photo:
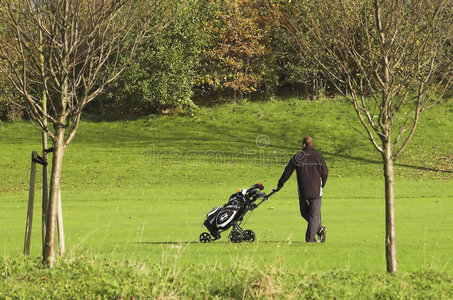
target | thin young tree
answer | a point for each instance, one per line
(67, 52)
(389, 59)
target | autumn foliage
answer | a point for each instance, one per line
(242, 42)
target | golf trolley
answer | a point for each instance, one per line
(232, 214)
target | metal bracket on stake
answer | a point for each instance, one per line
(38, 159)
(50, 150)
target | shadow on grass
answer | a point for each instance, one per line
(294, 147)
(218, 242)
(237, 141)
(377, 162)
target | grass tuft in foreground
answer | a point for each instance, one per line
(87, 277)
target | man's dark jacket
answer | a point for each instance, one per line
(311, 172)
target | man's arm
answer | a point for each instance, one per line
(286, 174)
(324, 171)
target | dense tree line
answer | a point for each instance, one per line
(211, 50)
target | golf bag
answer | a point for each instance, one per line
(231, 214)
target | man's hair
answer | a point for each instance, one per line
(308, 141)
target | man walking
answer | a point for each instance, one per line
(312, 174)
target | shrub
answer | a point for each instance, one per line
(164, 71)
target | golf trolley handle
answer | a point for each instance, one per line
(271, 193)
(266, 197)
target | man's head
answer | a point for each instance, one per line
(308, 141)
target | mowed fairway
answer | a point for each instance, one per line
(140, 189)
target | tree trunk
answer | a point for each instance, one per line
(390, 236)
(45, 189)
(61, 243)
(57, 162)
(45, 192)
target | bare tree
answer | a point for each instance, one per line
(388, 58)
(67, 52)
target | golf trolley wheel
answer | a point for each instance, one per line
(249, 235)
(205, 237)
(235, 237)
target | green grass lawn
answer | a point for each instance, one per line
(139, 190)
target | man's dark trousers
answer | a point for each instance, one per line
(310, 209)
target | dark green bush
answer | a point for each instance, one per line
(165, 69)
